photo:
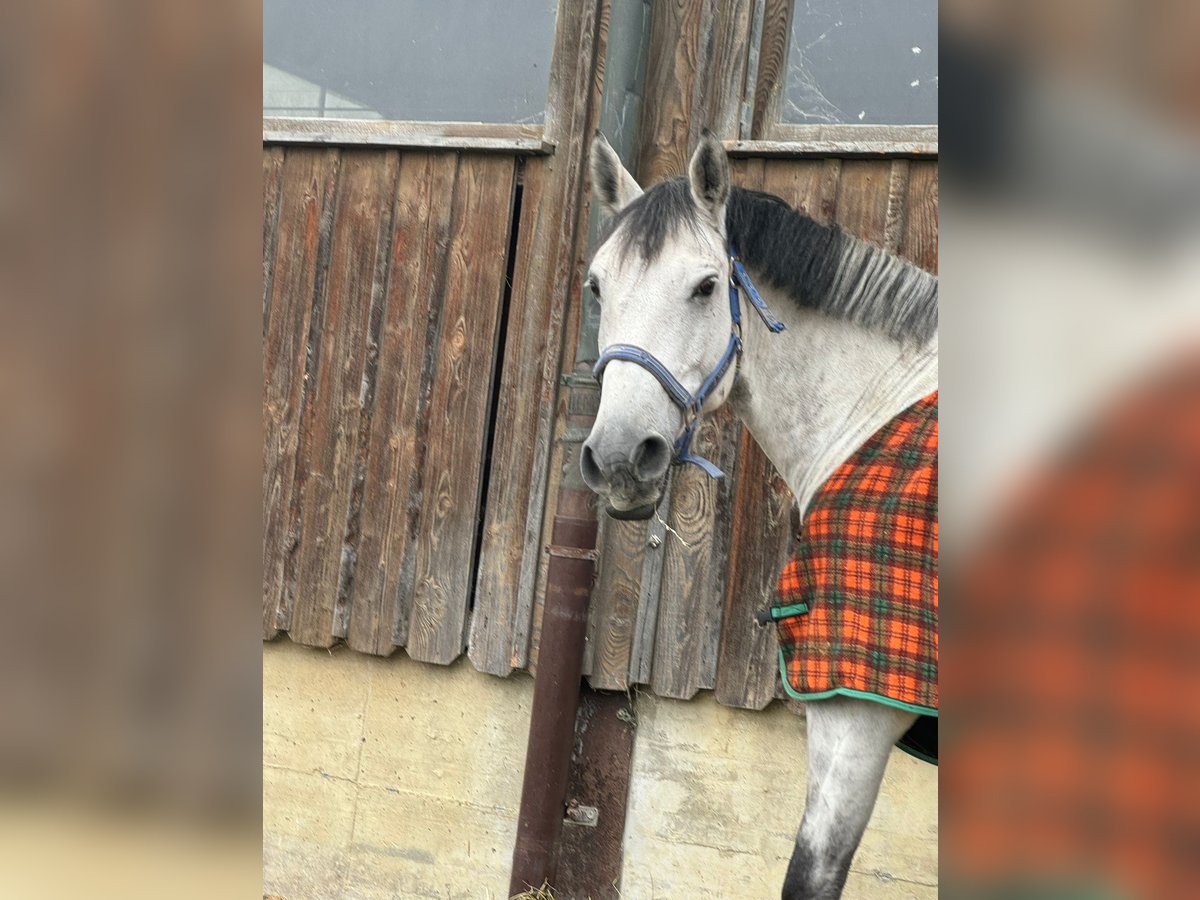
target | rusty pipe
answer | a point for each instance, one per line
(569, 580)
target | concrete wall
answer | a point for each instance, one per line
(389, 778)
(386, 778)
(717, 795)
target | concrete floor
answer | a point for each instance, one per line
(385, 778)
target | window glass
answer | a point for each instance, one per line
(409, 60)
(869, 62)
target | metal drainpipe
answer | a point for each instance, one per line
(556, 689)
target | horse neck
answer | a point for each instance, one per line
(812, 394)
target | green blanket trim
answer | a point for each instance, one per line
(782, 612)
(850, 692)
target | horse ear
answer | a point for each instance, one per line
(708, 176)
(612, 184)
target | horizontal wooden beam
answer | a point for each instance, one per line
(526, 140)
(843, 148)
(841, 140)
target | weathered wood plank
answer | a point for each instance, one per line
(475, 136)
(645, 626)
(696, 71)
(563, 459)
(802, 183)
(852, 142)
(760, 543)
(615, 602)
(382, 584)
(772, 66)
(389, 166)
(724, 51)
(831, 181)
(897, 200)
(728, 438)
(920, 238)
(335, 390)
(556, 274)
(863, 198)
(670, 80)
(524, 425)
(458, 407)
(307, 196)
(695, 550)
(272, 183)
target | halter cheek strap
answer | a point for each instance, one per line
(691, 404)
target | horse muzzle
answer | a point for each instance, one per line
(633, 485)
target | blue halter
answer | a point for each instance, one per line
(688, 403)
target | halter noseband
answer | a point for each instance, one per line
(690, 404)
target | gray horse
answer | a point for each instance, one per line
(850, 341)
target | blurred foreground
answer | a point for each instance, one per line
(130, 222)
(1070, 486)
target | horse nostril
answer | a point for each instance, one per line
(651, 459)
(592, 476)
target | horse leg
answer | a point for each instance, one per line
(848, 746)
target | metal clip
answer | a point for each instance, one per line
(582, 815)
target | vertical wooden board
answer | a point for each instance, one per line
(772, 65)
(760, 543)
(920, 237)
(458, 407)
(831, 180)
(645, 624)
(524, 428)
(897, 203)
(671, 73)
(804, 183)
(863, 198)
(557, 260)
(563, 458)
(382, 582)
(747, 173)
(335, 386)
(696, 73)
(695, 549)
(615, 602)
(272, 183)
(352, 541)
(724, 50)
(306, 202)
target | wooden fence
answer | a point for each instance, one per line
(414, 322)
(420, 306)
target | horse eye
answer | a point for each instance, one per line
(595, 286)
(706, 287)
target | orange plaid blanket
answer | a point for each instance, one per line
(857, 605)
(1077, 664)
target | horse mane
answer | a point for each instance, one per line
(820, 267)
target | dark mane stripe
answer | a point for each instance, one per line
(820, 266)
